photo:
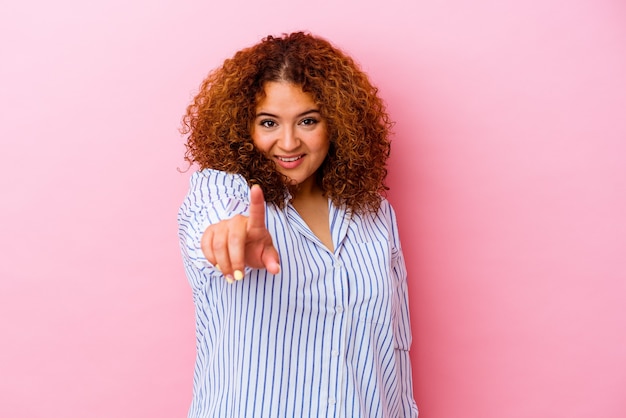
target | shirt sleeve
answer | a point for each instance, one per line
(402, 321)
(213, 196)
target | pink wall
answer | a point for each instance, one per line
(507, 174)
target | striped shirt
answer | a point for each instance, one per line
(326, 337)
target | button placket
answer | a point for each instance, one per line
(335, 392)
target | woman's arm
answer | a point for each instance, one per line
(217, 202)
(402, 323)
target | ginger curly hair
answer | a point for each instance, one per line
(218, 122)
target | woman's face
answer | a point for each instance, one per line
(288, 129)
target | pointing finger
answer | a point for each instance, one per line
(257, 208)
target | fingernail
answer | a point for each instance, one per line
(238, 275)
(229, 279)
(217, 266)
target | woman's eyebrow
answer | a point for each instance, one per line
(271, 115)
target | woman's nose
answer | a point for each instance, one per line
(289, 139)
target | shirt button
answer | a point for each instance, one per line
(332, 401)
(339, 309)
(335, 353)
(338, 265)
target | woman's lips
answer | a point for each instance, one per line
(289, 162)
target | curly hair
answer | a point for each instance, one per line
(218, 122)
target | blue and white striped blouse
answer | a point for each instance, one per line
(326, 337)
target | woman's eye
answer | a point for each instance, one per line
(309, 121)
(268, 123)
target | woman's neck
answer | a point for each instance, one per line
(312, 205)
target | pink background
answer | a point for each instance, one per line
(508, 175)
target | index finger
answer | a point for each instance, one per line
(257, 208)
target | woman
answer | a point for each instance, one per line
(291, 250)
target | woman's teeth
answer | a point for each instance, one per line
(289, 160)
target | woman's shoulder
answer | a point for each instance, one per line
(212, 179)
(386, 214)
(383, 213)
(216, 184)
(216, 176)
(385, 209)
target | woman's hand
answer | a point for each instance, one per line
(241, 241)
